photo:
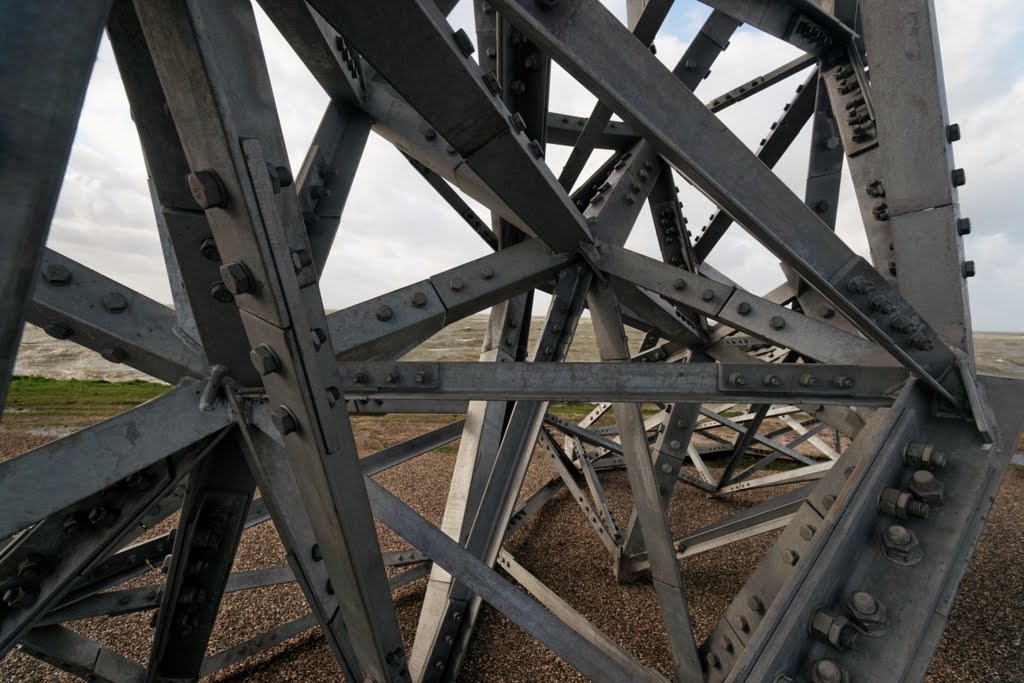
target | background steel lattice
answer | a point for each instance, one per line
(858, 374)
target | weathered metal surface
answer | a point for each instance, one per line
(266, 380)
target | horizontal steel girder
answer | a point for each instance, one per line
(655, 382)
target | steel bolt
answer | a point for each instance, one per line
(518, 124)
(280, 176)
(333, 395)
(927, 488)
(57, 274)
(33, 567)
(959, 177)
(487, 272)
(456, 284)
(808, 380)
(790, 556)
(358, 377)
(828, 502)
(422, 376)
(220, 292)
(827, 671)
(963, 226)
(679, 285)
(860, 285)
(923, 456)
(736, 379)
(724, 643)
(707, 295)
(834, 630)
(384, 313)
(807, 532)
(827, 313)
(72, 524)
(115, 302)
(832, 142)
(771, 381)
(238, 278)
(864, 603)
(843, 382)
(901, 504)
(113, 354)
(953, 132)
(207, 189)
(20, 596)
(777, 322)
(743, 308)
(301, 258)
(868, 615)
(419, 299)
(882, 305)
(463, 42)
(755, 604)
(284, 419)
(208, 248)
(315, 553)
(714, 661)
(264, 359)
(57, 330)
(921, 342)
(536, 149)
(319, 337)
(491, 81)
(100, 516)
(968, 269)
(902, 324)
(740, 623)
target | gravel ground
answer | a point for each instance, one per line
(982, 642)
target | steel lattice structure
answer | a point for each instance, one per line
(879, 352)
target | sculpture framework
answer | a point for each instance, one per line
(858, 583)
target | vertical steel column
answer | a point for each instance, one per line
(668, 581)
(46, 70)
(214, 76)
(918, 176)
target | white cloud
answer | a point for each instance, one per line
(396, 230)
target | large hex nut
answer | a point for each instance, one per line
(832, 629)
(264, 359)
(901, 546)
(56, 274)
(901, 504)
(867, 614)
(238, 278)
(207, 189)
(927, 488)
(923, 456)
(828, 671)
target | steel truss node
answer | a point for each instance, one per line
(858, 375)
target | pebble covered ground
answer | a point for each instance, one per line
(983, 640)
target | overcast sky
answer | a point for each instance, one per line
(396, 231)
